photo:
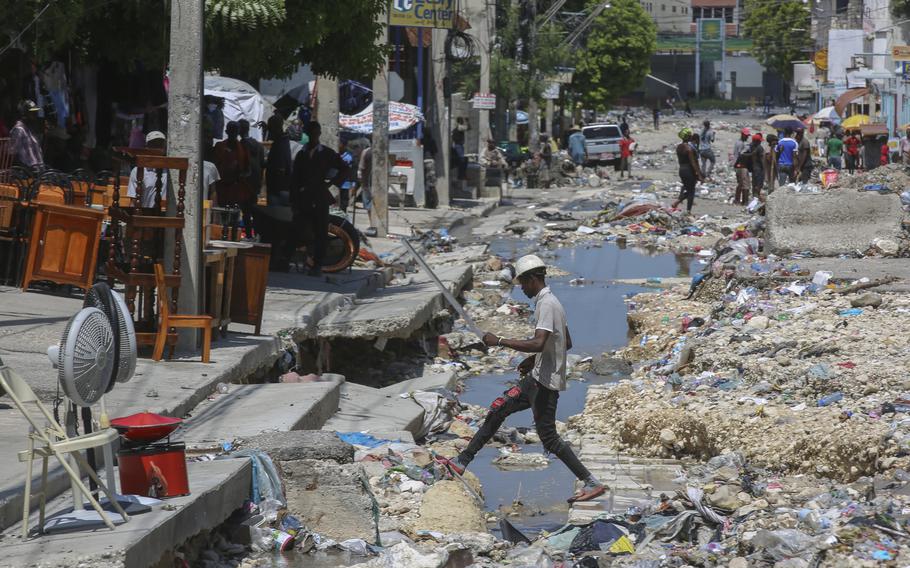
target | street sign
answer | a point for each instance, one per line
(710, 38)
(900, 53)
(484, 101)
(551, 92)
(423, 13)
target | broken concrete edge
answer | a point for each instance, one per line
(255, 360)
(302, 444)
(403, 327)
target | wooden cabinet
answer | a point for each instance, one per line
(251, 274)
(63, 245)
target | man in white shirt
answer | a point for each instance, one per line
(154, 139)
(543, 376)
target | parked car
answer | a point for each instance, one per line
(602, 144)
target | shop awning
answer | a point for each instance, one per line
(848, 97)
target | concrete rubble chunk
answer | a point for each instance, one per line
(867, 300)
(606, 366)
(448, 508)
(329, 498)
(302, 444)
(839, 221)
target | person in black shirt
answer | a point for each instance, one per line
(278, 166)
(310, 195)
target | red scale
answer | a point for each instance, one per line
(150, 464)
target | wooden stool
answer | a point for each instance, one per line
(168, 320)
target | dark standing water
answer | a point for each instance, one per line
(597, 320)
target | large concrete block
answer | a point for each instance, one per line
(302, 444)
(331, 499)
(839, 221)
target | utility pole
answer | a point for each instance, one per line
(533, 114)
(185, 139)
(327, 110)
(380, 151)
(443, 131)
(483, 126)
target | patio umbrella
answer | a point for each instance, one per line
(855, 121)
(827, 113)
(785, 121)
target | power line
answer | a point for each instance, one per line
(26, 28)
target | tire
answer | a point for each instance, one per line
(343, 246)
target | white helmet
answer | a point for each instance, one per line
(528, 263)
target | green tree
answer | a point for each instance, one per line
(616, 54)
(779, 33)
(244, 38)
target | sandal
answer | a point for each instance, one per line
(588, 492)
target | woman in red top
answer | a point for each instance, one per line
(852, 145)
(625, 155)
(886, 158)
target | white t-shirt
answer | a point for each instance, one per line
(150, 178)
(550, 364)
(210, 175)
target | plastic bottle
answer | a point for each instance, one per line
(222, 388)
(813, 521)
(830, 399)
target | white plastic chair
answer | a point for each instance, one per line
(50, 439)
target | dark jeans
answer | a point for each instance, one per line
(542, 401)
(687, 192)
(313, 210)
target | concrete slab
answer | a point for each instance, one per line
(218, 488)
(839, 221)
(302, 445)
(365, 409)
(394, 312)
(240, 413)
(428, 381)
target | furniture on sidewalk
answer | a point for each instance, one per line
(63, 245)
(47, 438)
(248, 285)
(220, 264)
(138, 236)
(168, 321)
(6, 160)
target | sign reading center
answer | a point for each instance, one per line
(900, 53)
(423, 13)
(485, 101)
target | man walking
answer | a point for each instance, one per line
(543, 376)
(758, 165)
(835, 151)
(577, 149)
(804, 157)
(25, 145)
(705, 140)
(625, 156)
(852, 144)
(786, 152)
(310, 196)
(742, 163)
(256, 152)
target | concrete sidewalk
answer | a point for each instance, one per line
(295, 306)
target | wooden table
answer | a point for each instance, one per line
(251, 274)
(219, 266)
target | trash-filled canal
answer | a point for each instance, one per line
(535, 500)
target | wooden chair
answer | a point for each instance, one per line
(168, 321)
(6, 160)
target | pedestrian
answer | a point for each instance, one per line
(458, 139)
(758, 165)
(886, 155)
(705, 149)
(233, 162)
(347, 182)
(804, 165)
(625, 156)
(310, 195)
(835, 151)
(742, 164)
(852, 155)
(689, 172)
(257, 157)
(25, 136)
(905, 148)
(624, 126)
(688, 109)
(278, 165)
(155, 140)
(786, 153)
(492, 158)
(655, 113)
(767, 105)
(577, 148)
(771, 168)
(542, 378)
(365, 186)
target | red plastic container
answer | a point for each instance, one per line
(145, 426)
(154, 470)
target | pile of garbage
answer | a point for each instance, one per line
(892, 177)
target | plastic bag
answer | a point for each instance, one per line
(784, 543)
